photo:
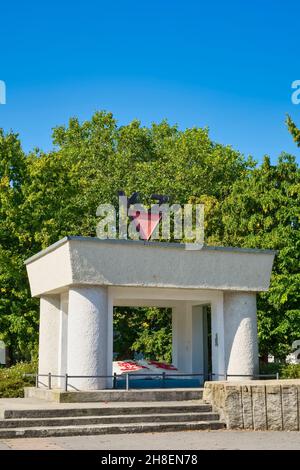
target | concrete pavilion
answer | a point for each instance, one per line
(80, 279)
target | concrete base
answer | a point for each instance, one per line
(59, 396)
(257, 404)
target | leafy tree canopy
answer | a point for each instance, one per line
(45, 196)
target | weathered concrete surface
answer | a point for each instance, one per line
(92, 430)
(27, 408)
(59, 396)
(88, 260)
(240, 325)
(212, 440)
(81, 279)
(68, 420)
(260, 405)
(87, 320)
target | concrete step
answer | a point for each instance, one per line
(61, 411)
(110, 419)
(109, 429)
(132, 395)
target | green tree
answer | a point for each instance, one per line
(143, 330)
(18, 318)
(263, 211)
(45, 196)
(293, 129)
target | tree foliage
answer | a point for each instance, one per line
(293, 129)
(45, 196)
(263, 211)
(146, 331)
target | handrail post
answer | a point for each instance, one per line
(49, 381)
(115, 381)
(277, 375)
(127, 381)
(225, 376)
(163, 379)
(66, 382)
(37, 380)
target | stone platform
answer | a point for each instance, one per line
(257, 404)
(59, 396)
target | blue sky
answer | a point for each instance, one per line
(227, 65)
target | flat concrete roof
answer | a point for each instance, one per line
(84, 261)
(157, 244)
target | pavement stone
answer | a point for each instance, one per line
(190, 440)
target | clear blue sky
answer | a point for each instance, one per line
(228, 65)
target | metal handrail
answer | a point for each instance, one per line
(275, 376)
(163, 375)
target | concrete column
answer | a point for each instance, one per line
(197, 340)
(48, 337)
(187, 338)
(63, 338)
(110, 340)
(217, 337)
(241, 346)
(181, 337)
(88, 337)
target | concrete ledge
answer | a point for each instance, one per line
(256, 404)
(59, 396)
(91, 261)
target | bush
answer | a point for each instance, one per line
(12, 380)
(290, 371)
(286, 371)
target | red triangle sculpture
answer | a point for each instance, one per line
(146, 223)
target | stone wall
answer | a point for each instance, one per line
(260, 405)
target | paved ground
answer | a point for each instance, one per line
(174, 441)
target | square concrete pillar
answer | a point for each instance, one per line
(187, 338)
(217, 337)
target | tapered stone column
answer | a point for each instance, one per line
(87, 337)
(241, 346)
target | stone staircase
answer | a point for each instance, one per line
(92, 419)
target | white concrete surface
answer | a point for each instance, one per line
(187, 338)
(217, 336)
(47, 273)
(63, 337)
(2, 353)
(87, 337)
(81, 279)
(241, 345)
(49, 336)
(86, 260)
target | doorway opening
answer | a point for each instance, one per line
(142, 333)
(158, 352)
